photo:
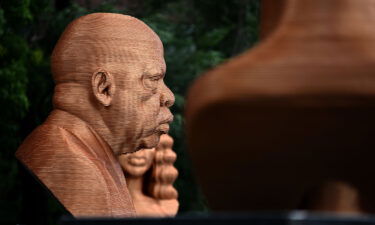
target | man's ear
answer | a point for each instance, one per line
(103, 86)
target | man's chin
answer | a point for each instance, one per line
(149, 142)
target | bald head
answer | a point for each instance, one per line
(100, 40)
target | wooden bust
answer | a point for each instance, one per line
(108, 70)
(295, 112)
(150, 174)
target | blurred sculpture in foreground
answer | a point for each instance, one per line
(150, 175)
(108, 70)
(333, 196)
(295, 112)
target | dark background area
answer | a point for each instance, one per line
(197, 35)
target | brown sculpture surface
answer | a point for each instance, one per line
(108, 71)
(295, 112)
(334, 196)
(150, 175)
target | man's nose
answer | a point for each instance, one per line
(166, 97)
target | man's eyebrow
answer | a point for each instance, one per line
(161, 72)
(152, 72)
(155, 74)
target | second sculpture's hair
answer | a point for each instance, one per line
(163, 173)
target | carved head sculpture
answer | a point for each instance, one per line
(150, 175)
(109, 70)
(109, 99)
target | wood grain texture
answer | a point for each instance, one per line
(293, 113)
(150, 175)
(109, 99)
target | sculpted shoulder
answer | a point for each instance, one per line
(42, 143)
(55, 156)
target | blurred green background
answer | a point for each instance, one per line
(197, 35)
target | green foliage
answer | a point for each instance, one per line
(197, 35)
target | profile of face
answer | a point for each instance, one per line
(134, 100)
(143, 100)
(137, 163)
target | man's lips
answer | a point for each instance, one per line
(163, 128)
(167, 120)
(164, 125)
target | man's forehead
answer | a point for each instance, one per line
(150, 56)
(145, 54)
(156, 67)
(138, 63)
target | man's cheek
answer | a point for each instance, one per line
(149, 116)
(153, 104)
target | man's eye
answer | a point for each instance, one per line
(151, 83)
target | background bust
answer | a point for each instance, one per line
(150, 175)
(108, 70)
